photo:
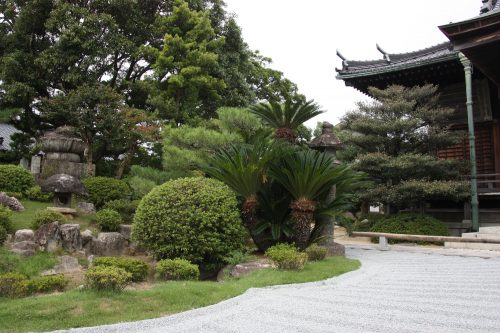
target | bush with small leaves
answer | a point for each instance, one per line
(46, 216)
(108, 220)
(103, 189)
(126, 208)
(107, 278)
(5, 223)
(137, 268)
(46, 284)
(177, 269)
(15, 178)
(316, 252)
(35, 193)
(13, 285)
(287, 256)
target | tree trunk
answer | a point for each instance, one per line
(88, 157)
(123, 164)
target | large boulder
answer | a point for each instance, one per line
(86, 237)
(48, 237)
(71, 240)
(239, 270)
(125, 230)
(108, 244)
(67, 264)
(11, 202)
(25, 248)
(24, 235)
(85, 207)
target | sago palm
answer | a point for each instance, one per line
(308, 176)
(286, 117)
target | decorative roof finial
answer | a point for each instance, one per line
(489, 5)
(345, 64)
(386, 55)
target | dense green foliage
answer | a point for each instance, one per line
(46, 284)
(103, 189)
(286, 256)
(28, 266)
(316, 252)
(396, 138)
(107, 278)
(55, 312)
(108, 220)
(138, 269)
(5, 223)
(15, 178)
(13, 285)
(35, 193)
(177, 269)
(140, 186)
(196, 219)
(412, 224)
(126, 208)
(46, 216)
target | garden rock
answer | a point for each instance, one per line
(67, 264)
(71, 239)
(24, 235)
(108, 244)
(48, 237)
(243, 269)
(85, 207)
(86, 237)
(25, 248)
(337, 250)
(11, 202)
(125, 230)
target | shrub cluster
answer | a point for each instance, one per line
(196, 219)
(177, 269)
(13, 285)
(126, 208)
(46, 284)
(108, 220)
(5, 223)
(137, 268)
(103, 189)
(410, 223)
(316, 252)
(46, 216)
(107, 278)
(15, 178)
(140, 186)
(367, 221)
(35, 193)
(287, 256)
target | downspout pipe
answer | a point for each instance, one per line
(472, 140)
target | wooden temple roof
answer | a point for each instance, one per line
(437, 64)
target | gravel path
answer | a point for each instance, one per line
(392, 292)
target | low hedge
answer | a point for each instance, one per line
(107, 278)
(108, 220)
(35, 193)
(177, 269)
(287, 256)
(316, 252)
(13, 285)
(126, 208)
(46, 216)
(15, 178)
(5, 223)
(137, 268)
(103, 189)
(411, 224)
(46, 284)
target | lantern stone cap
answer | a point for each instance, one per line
(327, 139)
(63, 183)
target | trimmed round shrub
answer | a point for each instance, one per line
(108, 220)
(177, 269)
(46, 216)
(107, 278)
(137, 268)
(15, 178)
(47, 284)
(35, 193)
(126, 208)
(287, 256)
(103, 189)
(196, 219)
(13, 285)
(316, 252)
(5, 223)
(411, 224)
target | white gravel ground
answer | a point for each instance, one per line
(392, 292)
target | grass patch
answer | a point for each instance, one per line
(29, 266)
(87, 308)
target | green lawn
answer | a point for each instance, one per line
(86, 308)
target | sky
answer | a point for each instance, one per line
(302, 37)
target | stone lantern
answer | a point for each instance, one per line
(328, 143)
(63, 186)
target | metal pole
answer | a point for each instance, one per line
(472, 141)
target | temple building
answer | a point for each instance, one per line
(476, 41)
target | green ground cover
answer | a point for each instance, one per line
(80, 308)
(29, 266)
